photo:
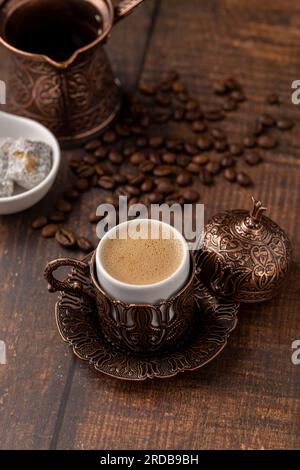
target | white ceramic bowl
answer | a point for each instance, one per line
(15, 126)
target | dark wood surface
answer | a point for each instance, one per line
(249, 397)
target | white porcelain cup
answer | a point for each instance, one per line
(143, 294)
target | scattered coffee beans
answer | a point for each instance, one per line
(138, 158)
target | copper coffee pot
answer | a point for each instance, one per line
(60, 74)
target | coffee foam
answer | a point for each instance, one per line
(142, 261)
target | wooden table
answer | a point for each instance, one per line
(249, 397)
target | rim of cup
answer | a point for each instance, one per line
(186, 255)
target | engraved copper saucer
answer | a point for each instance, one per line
(78, 324)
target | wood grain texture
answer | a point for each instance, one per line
(35, 382)
(249, 397)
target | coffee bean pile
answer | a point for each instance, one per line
(134, 158)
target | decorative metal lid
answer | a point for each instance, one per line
(245, 256)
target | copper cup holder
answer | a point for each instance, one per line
(135, 328)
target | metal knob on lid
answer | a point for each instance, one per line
(245, 256)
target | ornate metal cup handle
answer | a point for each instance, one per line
(66, 286)
(125, 7)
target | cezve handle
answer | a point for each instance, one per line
(125, 7)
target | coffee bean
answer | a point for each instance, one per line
(191, 105)
(267, 142)
(162, 115)
(137, 158)
(147, 185)
(64, 206)
(66, 238)
(85, 171)
(253, 158)
(178, 87)
(122, 191)
(174, 145)
(232, 84)
(109, 137)
(129, 150)
(101, 152)
(165, 187)
(272, 98)
(213, 167)
(122, 130)
(214, 114)
(100, 169)
(133, 200)
(178, 113)
(238, 95)
(200, 159)
(183, 160)
(191, 148)
(183, 97)
(217, 134)
(141, 142)
(227, 161)
(132, 190)
(155, 158)
(90, 159)
(82, 184)
(146, 167)
(204, 143)
(267, 120)
(165, 85)
(249, 142)
(156, 141)
(243, 179)
(221, 145)
(39, 223)
(258, 128)
(230, 175)
(285, 124)
(93, 181)
(155, 198)
(84, 244)
(236, 149)
(190, 195)
(115, 157)
(120, 178)
(220, 87)
(170, 76)
(57, 217)
(169, 158)
(230, 104)
(191, 116)
(147, 88)
(137, 180)
(199, 126)
(184, 179)
(206, 177)
(112, 199)
(163, 170)
(74, 163)
(106, 182)
(174, 198)
(163, 99)
(193, 168)
(49, 231)
(92, 145)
